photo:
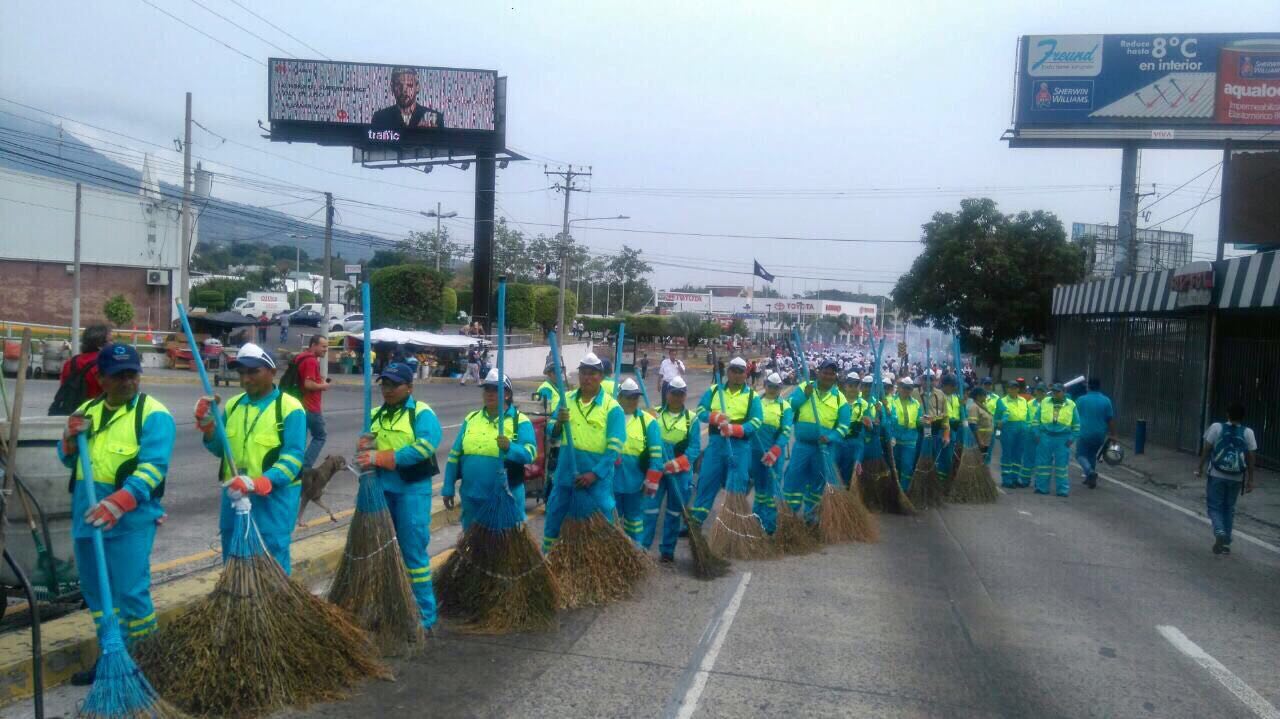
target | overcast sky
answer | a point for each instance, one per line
(769, 99)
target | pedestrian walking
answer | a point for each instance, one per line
(1230, 451)
(263, 322)
(669, 370)
(1096, 430)
(473, 367)
(1056, 425)
(643, 365)
(78, 382)
(313, 385)
(284, 327)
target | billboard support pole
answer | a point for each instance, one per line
(325, 287)
(482, 249)
(1127, 226)
(1223, 189)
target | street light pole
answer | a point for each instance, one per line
(436, 213)
(297, 273)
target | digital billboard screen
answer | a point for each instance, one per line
(375, 104)
(1157, 81)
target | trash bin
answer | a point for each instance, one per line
(41, 472)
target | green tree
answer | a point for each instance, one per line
(118, 311)
(211, 300)
(464, 301)
(989, 276)
(519, 304)
(408, 296)
(449, 304)
(546, 302)
(426, 247)
(687, 325)
(387, 258)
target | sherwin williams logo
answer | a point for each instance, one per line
(1064, 55)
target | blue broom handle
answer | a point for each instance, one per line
(617, 357)
(108, 624)
(564, 399)
(502, 346)
(219, 429)
(964, 419)
(366, 361)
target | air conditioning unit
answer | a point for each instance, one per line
(158, 278)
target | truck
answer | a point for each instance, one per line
(253, 304)
(336, 311)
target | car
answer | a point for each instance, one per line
(351, 323)
(308, 318)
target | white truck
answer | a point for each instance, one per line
(336, 311)
(253, 304)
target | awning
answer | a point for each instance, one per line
(419, 339)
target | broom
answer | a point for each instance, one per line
(706, 563)
(842, 517)
(370, 581)
(593, 560)
(926, 487)
(737, 532)
(791, 534)
(886, 487)
(119, 687)
(496, 580)
(259, 642)
(973, 483)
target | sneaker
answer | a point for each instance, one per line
(666, 559)
(1226, 549)
(1219, 546)
(86, 677)
(1091, 481)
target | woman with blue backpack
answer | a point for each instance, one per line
(1230, 452)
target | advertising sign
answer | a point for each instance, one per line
(382, 104)
(1193, 284)
(1149, 81)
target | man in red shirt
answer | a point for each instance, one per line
(95, 338)
(313, 385)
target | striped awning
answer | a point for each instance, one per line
(1145, 292)
(1248, 282)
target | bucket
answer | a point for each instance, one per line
(1249, 83)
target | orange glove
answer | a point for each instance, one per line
(204, 413)
(729, 429)
(651, 479)
(716, 419)
(770, 458)
(677, 465)
(76, 424)
(379, 459)
(242, 485)
(366, 442)
(109, 510)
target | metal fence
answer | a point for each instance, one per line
(1153, 368)
(1248, 370)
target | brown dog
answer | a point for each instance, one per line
(314, 481)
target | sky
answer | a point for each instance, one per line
(849, 120)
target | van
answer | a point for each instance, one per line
(255, 308)
(336, 311)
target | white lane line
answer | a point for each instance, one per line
(1194, 515)
(689, 704)
(1001, 490)
(1233, 683)
(1023, 511)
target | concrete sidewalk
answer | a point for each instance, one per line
(1170, 475)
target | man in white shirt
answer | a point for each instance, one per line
(1230, 449)
(669, 370)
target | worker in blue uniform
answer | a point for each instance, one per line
(487, 463)
(681, 447)
(267, 431)
(1058, 425)
(949, 450)
(906, 416)
(1031, 439)
(727, 463)
(584, 479)
(848, 453)
(1011, 422)
(872, 421)
(816, 439)
(770, 444)
(404, 434)
(130, 443)
(640, 467)
(1096, 428)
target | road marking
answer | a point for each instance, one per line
(1001, 491)
(718, 630)
(1225, 677)
(1194, 515)
(1023, 511)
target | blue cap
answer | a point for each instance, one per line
(829, 363)
(116, 358)
(1056, 387)
(987, 380)
(397, 372)
(949, 380)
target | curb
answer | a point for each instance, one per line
(69, 644)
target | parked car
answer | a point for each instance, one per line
(351, 323)
(305, 317)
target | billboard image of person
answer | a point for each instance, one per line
(406, 113)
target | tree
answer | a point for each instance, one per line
(408, 296)
(118, 311)
(387, 258)
(449, 304)
(519, 305)
(546, 302)
(230, 290)
(427, 246)
(687, 325)
(989, 276)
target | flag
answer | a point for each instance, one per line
(762, 273)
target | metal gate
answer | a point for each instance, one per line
(1248, 371)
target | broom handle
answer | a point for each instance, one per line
(564, 398)
(719, 391)
(219, 429)
(366, 363)
(617, 357)
(502, 346)
(964, 423)
(109, 627)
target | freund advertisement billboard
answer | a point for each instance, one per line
(1156, 81)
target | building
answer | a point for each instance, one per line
(1156, 249)
(1173, 348)
(130, 245)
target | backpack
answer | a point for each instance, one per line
(1229, 452)
(291, 380)
(418, 471)
(72, 393)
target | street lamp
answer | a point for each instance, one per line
(297, 268)
(564, 263)
(436, 213)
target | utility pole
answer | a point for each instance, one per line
(439, 240)
(75, 283)
(184, 262)
(326, 288)
(568, 188)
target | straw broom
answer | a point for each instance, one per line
(737, 532)
(371, 582)
(119, 688)
(496, 580)
(792, 535)
(594, 561)
(926, 489)
(972, 483)
(885, 490)
(259, 642)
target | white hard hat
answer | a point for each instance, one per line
(738, 362)
(677, 384)
(906, 382)
(591, 361)
(628, 388)
(491, 379)
(774, 379)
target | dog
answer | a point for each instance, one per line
(315, 480)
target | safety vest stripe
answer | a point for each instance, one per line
(145, 620)
(289, 466)
(423, 447)
(148, 473)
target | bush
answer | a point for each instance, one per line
(449, 304)
(546, 303)
(409, 296)
(464, 303)
(230, 289)
(1027, 361)
(211, 300)
(519, 305)
(118, 311)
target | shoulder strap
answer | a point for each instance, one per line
(137, 417)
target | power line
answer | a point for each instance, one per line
(202, 32)
(282, 30)
(673, 233)
(242, 27)
(1156, 201)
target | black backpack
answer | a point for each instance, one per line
(72, 393)
(419, 470)
(130, 466)
(291, 380)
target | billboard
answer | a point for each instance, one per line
(1158, 83)
(1250, 211)
(372, 105)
